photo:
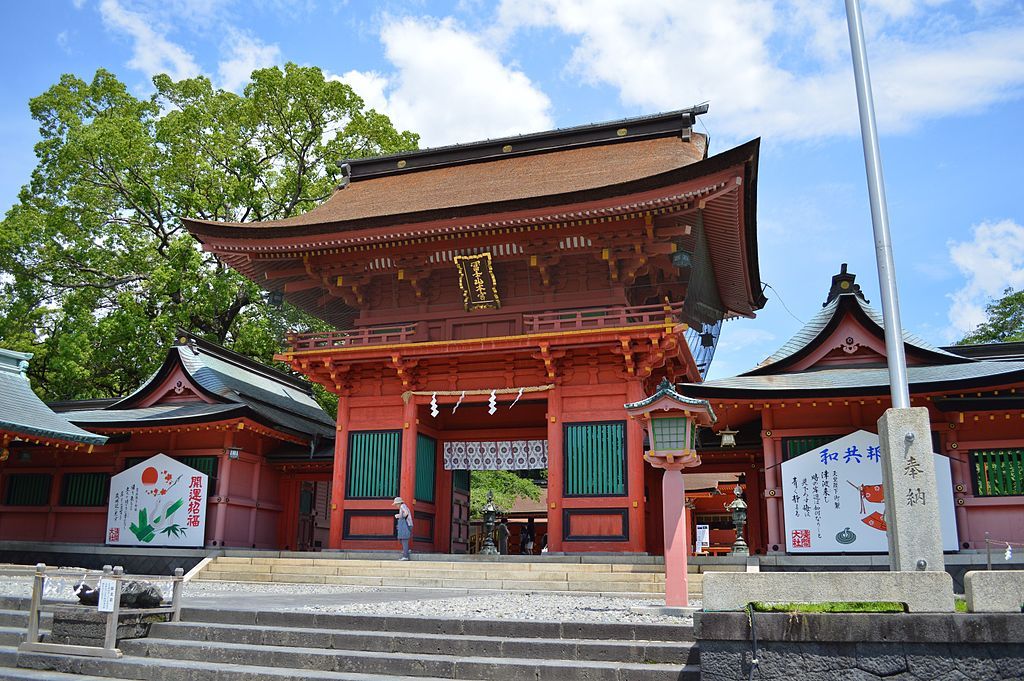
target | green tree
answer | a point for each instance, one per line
(96, 270)
(1005, 320)
(506, 485)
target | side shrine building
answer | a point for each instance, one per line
(242, 424)
(830, 382)
(496, 304)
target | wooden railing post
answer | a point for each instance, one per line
(110, 639)
(32, 636)
(176, 594)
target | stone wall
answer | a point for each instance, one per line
(813, 647)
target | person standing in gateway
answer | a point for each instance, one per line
(404, 517)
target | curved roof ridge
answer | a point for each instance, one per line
(820, 321)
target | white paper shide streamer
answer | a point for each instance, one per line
(518, 395)
(433, 406)
(492, 403)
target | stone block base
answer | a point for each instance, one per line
(920, 591)
(85, 626)
(819, 646)
(994, 590)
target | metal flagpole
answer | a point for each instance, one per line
(894, 352)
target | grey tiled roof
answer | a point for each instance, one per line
(23, 413)
(845, 379)
(155, 415)
(819, 321)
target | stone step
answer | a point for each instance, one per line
(396, 664)
(19, 618)
(432, 643)
(621, 631)
(11, 636)
(357, 566)
(572, 586)
(91, 668)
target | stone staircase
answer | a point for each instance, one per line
(14, 622)
(638, 577)
(264, 646)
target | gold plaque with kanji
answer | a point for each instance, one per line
(476, 279)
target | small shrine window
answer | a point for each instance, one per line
(28, 489)
(998, 472)
(85, 489)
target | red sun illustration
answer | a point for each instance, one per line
(149, 476)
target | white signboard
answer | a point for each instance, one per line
(703, 532)
(159, 502)
(106, 600)
(834, 503)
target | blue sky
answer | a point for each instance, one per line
(949, 91)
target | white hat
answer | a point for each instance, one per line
(397, 502)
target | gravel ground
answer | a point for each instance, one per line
(519, 606)
(508, 606)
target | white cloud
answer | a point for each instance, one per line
(152, 51)
(79, 4)
(246, 53)
(369, 85)
(991, 261)
(449, 85)
(779, 68)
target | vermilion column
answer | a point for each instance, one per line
(673, 491)
(555, 470)
(635, 469)
(338, 474)
(407, 483)
(771, 482)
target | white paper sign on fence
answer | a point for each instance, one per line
(106, 599)
(159, 502)
(834, 503)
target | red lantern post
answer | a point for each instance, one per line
(672, 421)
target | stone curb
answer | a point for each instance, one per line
(941, 628)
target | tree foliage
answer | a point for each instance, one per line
(507, 487)
(1004, 323)
(96, 270)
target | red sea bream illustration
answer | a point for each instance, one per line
(875, 495)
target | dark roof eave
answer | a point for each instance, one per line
(705, 391)
(118, 421)
(22, 431)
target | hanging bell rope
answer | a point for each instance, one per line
(498, 391)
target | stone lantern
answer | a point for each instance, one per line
(672, 421)
(738, 508)
(490, 512)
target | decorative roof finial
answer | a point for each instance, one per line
(844, 284)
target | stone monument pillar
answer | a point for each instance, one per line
(911, 493)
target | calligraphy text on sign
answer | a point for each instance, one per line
(476, 279)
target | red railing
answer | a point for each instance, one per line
(604, 317)
(545, 322)
(370, 335)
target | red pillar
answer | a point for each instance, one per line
(338, 474)
(555, 469)
(442, 503)
(771, 481)
(407, 482)
(635, 471)
(223, 490)
(676, 549)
